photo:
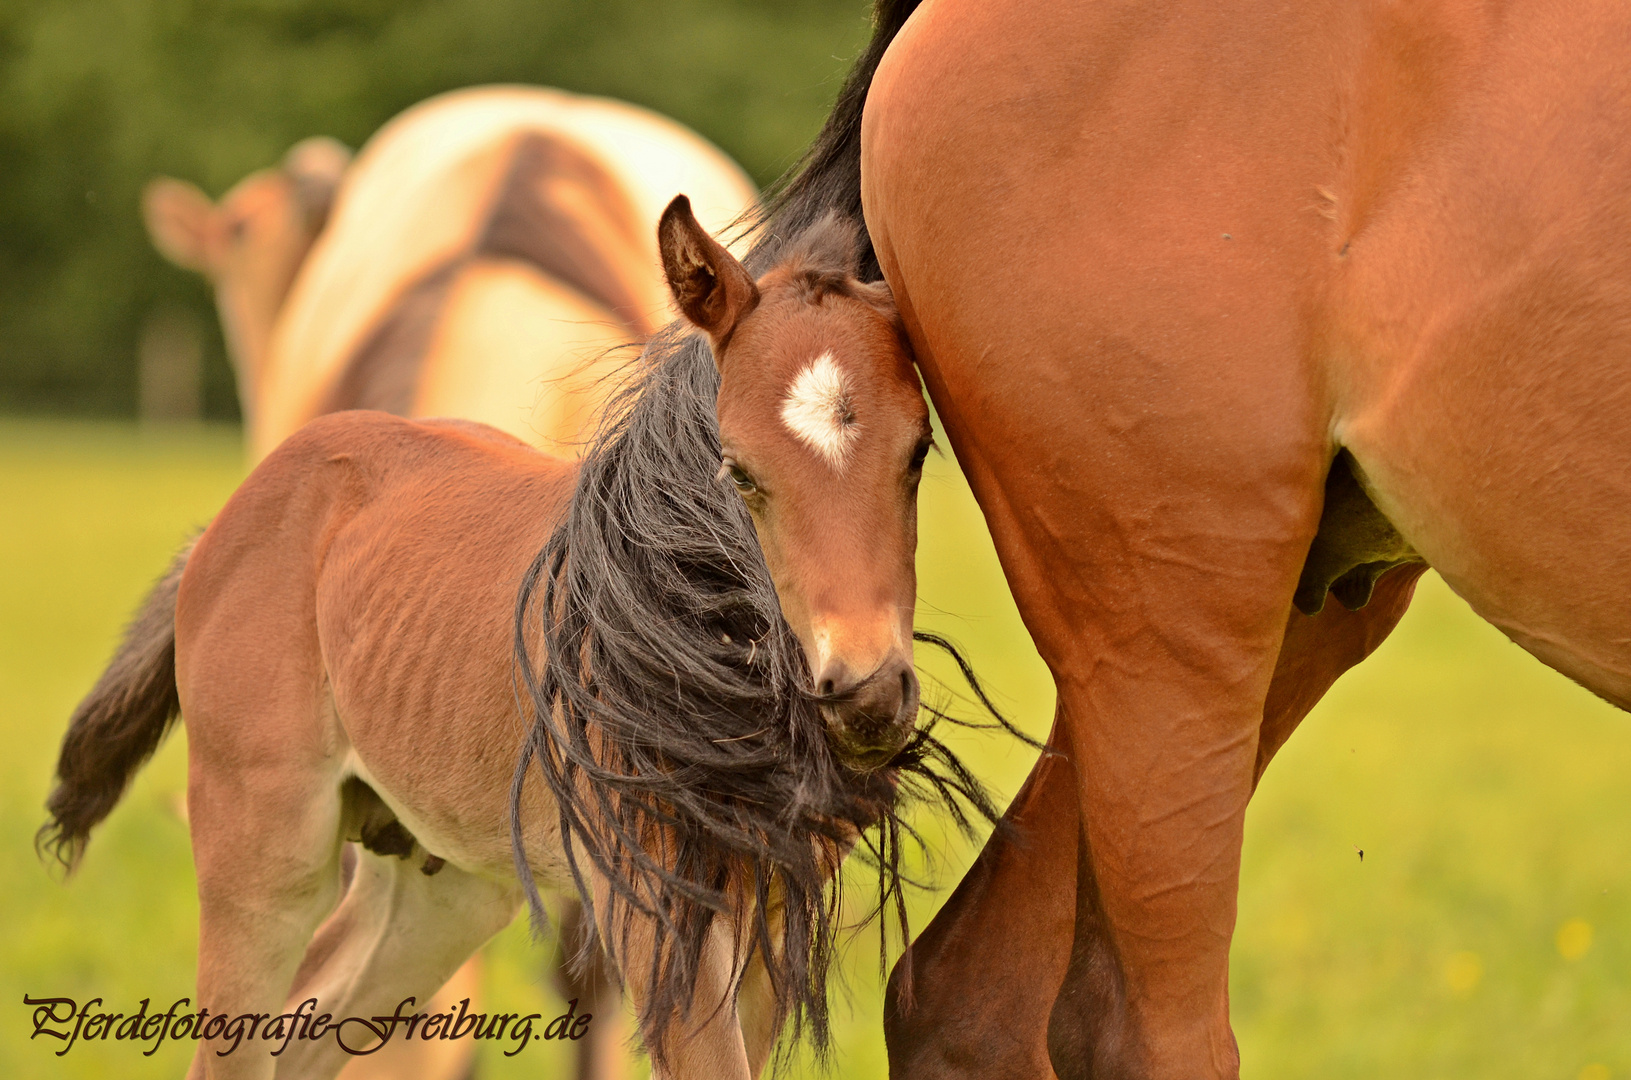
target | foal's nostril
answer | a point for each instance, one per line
(872, 716)
(835, 677)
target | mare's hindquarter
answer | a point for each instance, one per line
(349, 613)
(1170, 261)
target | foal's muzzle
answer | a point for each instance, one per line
(869, 717)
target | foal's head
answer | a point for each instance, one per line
(823, 430)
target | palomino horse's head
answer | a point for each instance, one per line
(252, 242)
(823, 430)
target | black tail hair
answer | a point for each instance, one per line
(118, 725)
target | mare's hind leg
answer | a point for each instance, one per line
(970, 997)
(398, 933)
(1010, 921)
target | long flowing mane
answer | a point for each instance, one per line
(673, 718)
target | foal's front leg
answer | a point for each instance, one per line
(705, 1042)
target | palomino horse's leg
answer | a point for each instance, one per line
(398, 933)
(1010, 920)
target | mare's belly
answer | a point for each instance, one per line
(1484, 348)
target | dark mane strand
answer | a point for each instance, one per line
(671, 712)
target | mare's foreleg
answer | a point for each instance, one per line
(1169, 736)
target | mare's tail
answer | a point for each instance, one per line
(119, 724)
(827, 179)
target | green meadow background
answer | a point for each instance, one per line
(1485, 935)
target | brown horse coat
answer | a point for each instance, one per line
(343, 664)
(488, 250)
(339, 641)
(1171, 272)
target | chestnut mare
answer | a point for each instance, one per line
(339, 641)
(1225, 307)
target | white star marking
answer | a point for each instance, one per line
(817, 410)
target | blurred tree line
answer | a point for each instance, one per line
(97, 96)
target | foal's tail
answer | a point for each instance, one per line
(118, 725)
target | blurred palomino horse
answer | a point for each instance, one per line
(481, 258)
(483, 252)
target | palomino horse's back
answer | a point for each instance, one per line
(546, 197)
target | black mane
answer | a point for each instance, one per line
(673, 719)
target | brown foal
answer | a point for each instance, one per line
(339, 642)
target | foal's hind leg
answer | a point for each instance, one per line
(591, 981)
(415, 1060)
(398, 933)
(704, 1042)
(266, 845)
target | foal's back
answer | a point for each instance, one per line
(359, 589)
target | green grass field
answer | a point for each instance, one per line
(1486, 934)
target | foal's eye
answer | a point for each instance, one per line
(921, 454)
(739, 476)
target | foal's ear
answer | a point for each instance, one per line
(878, 294)
(712, 289)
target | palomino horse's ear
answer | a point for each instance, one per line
(179, 220)
(712, 289)
(316, 166)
